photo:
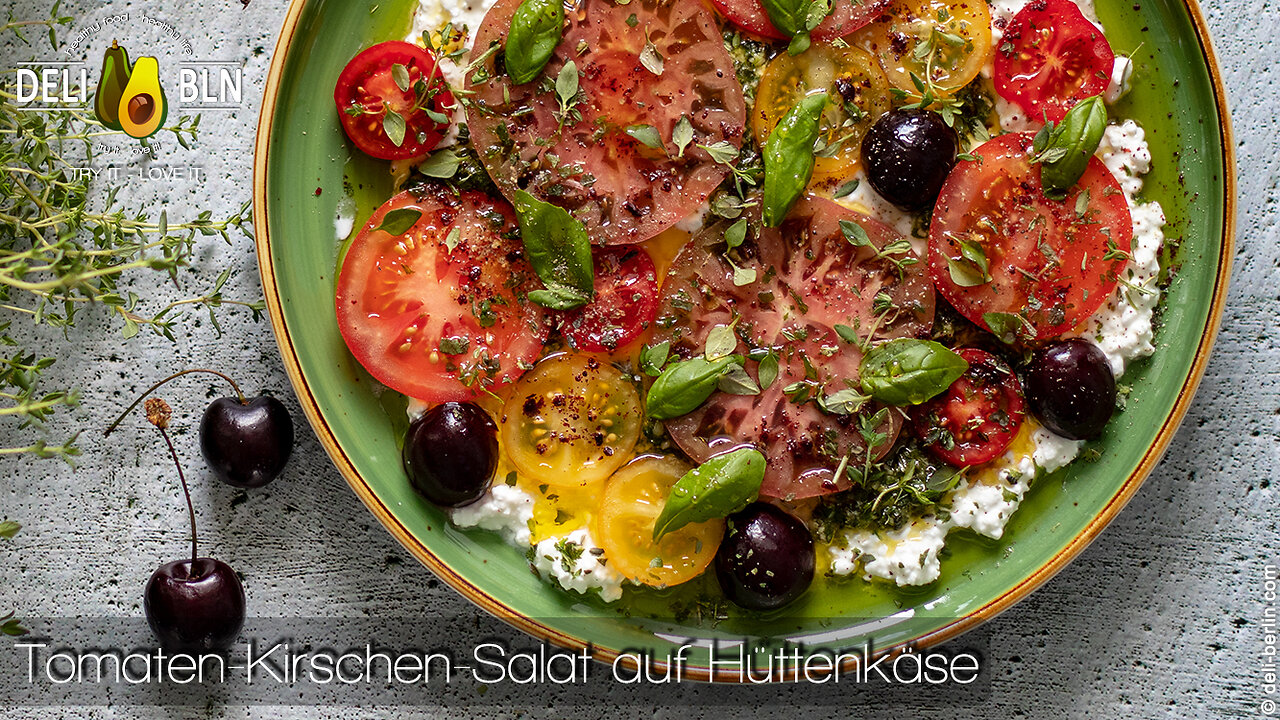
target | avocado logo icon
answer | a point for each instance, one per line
(129, 97)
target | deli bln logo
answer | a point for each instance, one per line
(129, 95)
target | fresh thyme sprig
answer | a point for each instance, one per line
(66, 246)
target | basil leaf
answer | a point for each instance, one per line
(653, 357)
(799, 44)
(559, 297)
(398, 221)
(907, 371)
(789, 159)
(796, 18)
(1064, 150)
(815, 13)
(1007, 326)
(847, 334)
(768, 370)
(683, 386)
(717, 488)
(557, 246)
(535, 32)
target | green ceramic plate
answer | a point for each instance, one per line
(303, 159)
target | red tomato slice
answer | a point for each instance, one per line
(1052, 263)
(577, 154)
(434, 323)
(367, 88)
(626, 299)
(1051, 58)
(974, 421)
(846, 16)
(809, 279)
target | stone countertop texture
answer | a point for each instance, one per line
(1159, 617)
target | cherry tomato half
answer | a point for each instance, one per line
(853, 81)
(943, 42)
(846, 16)
(571, 421)
(626, 300)
(1051, 58)
(1050, 263)
(974, 421)
(630, 505)
(393, 77)
(438, 311)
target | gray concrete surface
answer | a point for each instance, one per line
(1158, 618)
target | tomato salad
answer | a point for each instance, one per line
(787, 288)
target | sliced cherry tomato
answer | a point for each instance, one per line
(854, 83)
(809, 280)
(1051, 58)
(571, 421)
(576, 152)
(632, 500)
(846, 16)
(438, 311)
(370, 89)
(945, 42)
(974, 421)
(1051, 263)
(626, 299)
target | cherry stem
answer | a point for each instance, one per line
(239, 395)
(191, 510)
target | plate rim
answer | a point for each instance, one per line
(1150, 458)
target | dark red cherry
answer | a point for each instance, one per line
(451, 453)
(246, 444)
(195, 605)
(907, 155)
(766, 559)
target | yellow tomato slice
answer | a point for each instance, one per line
(947, 41)
(632, 500)
(856, 88)
(571, 421)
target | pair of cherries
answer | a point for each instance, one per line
(199, 603)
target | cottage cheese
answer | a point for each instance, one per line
(576, 563)
(505, 509)
(908, 555)
(1122, 328)
(433, 15)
